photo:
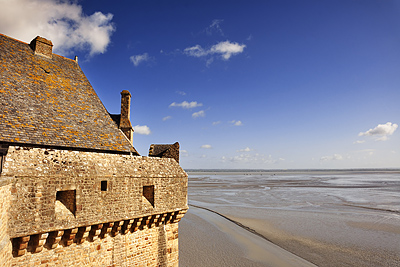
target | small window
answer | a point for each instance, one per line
(103, 185)
(148, 193)
(68, 199)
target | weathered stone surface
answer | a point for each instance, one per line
(114, 227)
(5, 243)
(156, 246)
(38, 174)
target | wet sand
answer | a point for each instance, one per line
(207, 239)
(341, 239)
(297, 220)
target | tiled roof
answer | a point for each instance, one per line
(49, 101)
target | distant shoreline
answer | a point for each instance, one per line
(288, 171)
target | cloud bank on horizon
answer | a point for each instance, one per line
(63, 22)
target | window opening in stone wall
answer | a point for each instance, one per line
(148, 193)
(68, 199)
(103, 185)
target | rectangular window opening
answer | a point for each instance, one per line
(68, 199)
(103, 185)
(148, 193)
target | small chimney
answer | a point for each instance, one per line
(42, 46)
(125, 123)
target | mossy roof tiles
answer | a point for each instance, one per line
(49, 101)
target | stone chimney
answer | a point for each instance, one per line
(42, 46)
(125, 123)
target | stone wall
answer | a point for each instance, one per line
(156, 246)
(5, 243)
(38, 174)
(102, 208)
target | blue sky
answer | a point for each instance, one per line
(240, 84)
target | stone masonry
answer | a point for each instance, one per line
(73, 189)
(44, 229)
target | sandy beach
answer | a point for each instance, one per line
(296, 221)
(207, 239)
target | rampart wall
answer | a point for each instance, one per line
(69, 208)
(156, 246)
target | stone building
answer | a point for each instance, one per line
(73, 189)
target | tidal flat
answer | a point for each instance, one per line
(292, 218)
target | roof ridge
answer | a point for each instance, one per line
(64, 57)
(13, 38)
(1, 34)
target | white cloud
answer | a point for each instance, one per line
(137, 59)
(226, 49)
(186, 104)
(382, 138)
(196, 51)
(381, 132)
(209, 61)
(247, 149)
(258, 159)
(166, 118)
(215, 27)
(181, 92)
(216, 122)
(236, 123)
(359, 142)
(142, 129)
(334, 157)
(63, 22)
(201, 113)
(206, 146)
(369, 152)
